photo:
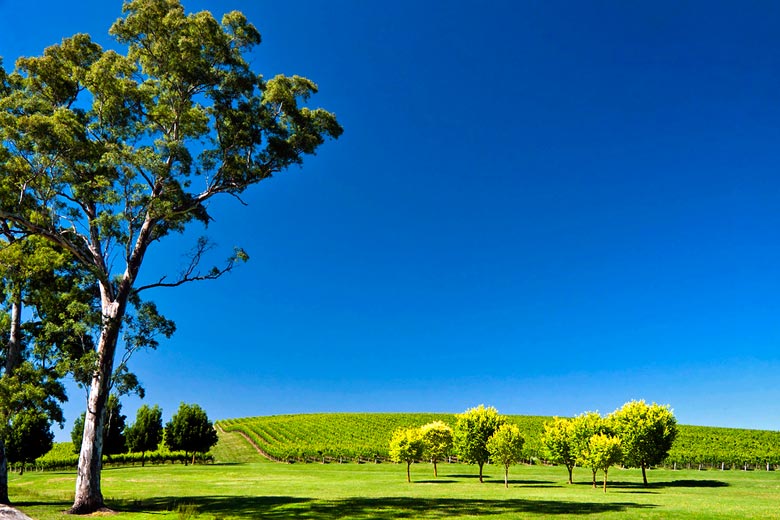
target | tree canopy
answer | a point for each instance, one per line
(647, 432)
(190, 430)
(473, 428)
(146, 432)
(104, 153)
(406, 445)
(437, 442)
(506, 447)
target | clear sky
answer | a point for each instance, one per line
(544, 206)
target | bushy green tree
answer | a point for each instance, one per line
(584, 427)
(558, 443)
(29, 437)
(603, 452)
(437, 442)
(505, 447)
(473, 428)
(190, 430)
(647, 432)
(146, 432)
(105, 153)
(406, 445)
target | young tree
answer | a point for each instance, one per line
(190, 431)
(473, 428)
(105, 154)
(146, 432)
(437, 442)
(406, 445)
(647, 433)
(584, 427)
(558, 443)
(602, 453)
(505, 447)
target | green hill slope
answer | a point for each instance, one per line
(348, 437)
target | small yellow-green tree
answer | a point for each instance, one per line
(406, 445)
(437, 442)
(472, 430)
(585, 426)
(558, 443)
(647, 432)
(506, 447)
(603, 452)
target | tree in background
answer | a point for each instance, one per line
(146, 432)
(558, 443)
(406, 445)
(505, 447)
(29, 437)
(647, 433)
(36, 328)
(602, 453)
(113, 429)
(190, 431)
(473, 428)
(105, 154)
(437, 442)
(584, 427)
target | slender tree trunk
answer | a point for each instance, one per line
(594, 479)
(142, 458)
(409, 472)
(435, 471)
(3, 476)
(89, 497)
(480, 471)
(570, 468)
(506, 476)
(12, 361)
(605, 481)
(193, 458)
(644, 473)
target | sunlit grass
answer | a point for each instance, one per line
(380, 491)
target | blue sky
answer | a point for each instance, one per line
(548, 207)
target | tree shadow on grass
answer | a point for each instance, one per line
(688, 483)
(383, 508)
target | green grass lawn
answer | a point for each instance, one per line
(251, 488)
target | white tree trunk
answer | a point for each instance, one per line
(89, 497)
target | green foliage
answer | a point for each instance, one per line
(505, 447)
(29, 436)
(603, 451)
(190, 430)
(146, 432)
(113, 428)
(437, 442)
(406, 445)
(559, 444)
(473, 428)
(647, 432)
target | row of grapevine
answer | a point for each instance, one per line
(61, 457)
(343, 437)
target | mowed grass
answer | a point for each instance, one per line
(251, 488)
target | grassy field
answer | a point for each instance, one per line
(242, 485)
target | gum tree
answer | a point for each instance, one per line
(108, 153)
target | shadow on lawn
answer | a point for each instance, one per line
(384, 508)
(673, 483)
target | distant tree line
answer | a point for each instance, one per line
(189, 430)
